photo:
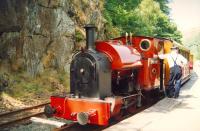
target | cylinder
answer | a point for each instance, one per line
(90, 36)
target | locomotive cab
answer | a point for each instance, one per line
(125, 62)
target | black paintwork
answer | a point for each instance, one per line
(90, 75)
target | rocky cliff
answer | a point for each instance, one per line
(40, 34)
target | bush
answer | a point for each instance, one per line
(79, 36)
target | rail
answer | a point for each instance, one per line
(12, 117)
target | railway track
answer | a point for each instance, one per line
(16, 116)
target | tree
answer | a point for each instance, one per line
(163, 6)
(166, 28)
(142, 17)
(120, 16)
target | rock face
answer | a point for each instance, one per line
(40, 34)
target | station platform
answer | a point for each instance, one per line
(169, 114)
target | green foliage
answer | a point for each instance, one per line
(142, 17)
(163, 6)
(120, 15)
(78, 36)
(166, 28)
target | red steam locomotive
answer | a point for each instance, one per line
(110, 76)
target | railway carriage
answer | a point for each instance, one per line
(186, 68)
(191, 57)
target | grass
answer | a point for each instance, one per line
(50, 82)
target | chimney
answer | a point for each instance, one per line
(90, 36)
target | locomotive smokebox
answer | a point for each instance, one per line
(90, 36)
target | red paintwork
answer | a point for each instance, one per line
(67, 108)
(146, 78)
(135, 44)
(120, 56)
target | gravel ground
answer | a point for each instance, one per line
(32, 127)
(35, 126)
